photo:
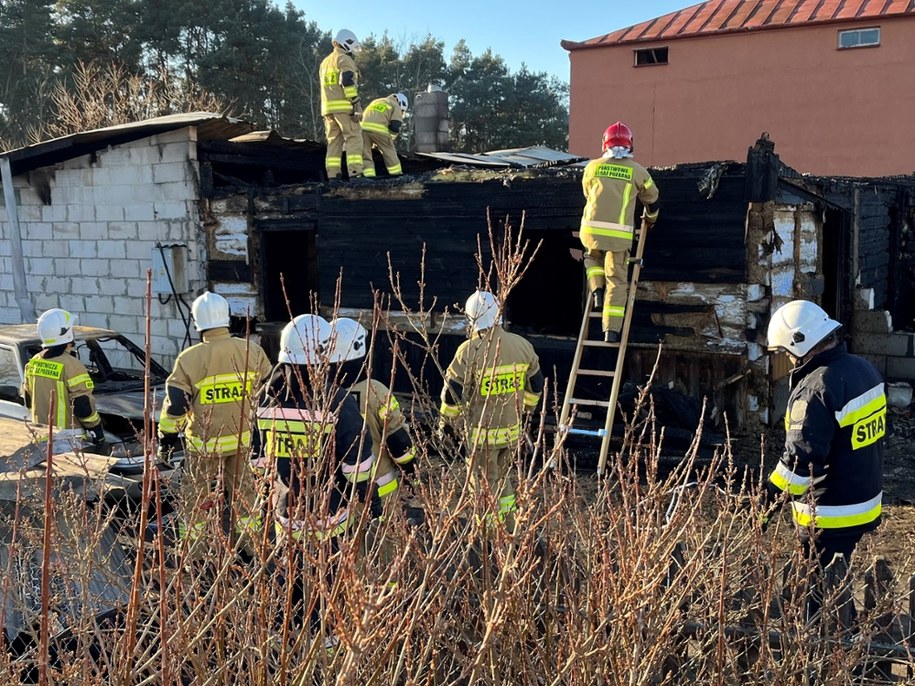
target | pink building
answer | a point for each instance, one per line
(832, 81)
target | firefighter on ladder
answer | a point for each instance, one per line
(57, 382)
(611, 184)
(340, 106)
(492, 383)
(208, 395)
(381, 125)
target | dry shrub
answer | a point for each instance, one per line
(647, 576)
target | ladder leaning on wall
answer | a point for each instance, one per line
(570, 401)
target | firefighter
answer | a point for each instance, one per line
(381, 125)
(58, 386)
(492, 383)
(311, 435)
(607, 225)
(391, 442)
(208, 396)
(340, 106)
(832, 465)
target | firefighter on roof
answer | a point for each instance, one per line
(611, 185)
(58, 385)
(381, 124)
(491, 385)
(208, 396)
(340, 106)
(835, 424)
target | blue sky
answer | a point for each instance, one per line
(526, 32)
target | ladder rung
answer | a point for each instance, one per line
(600, 344)
(595, 403)
(596, 372)
(594, 314)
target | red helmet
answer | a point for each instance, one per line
(617, 135)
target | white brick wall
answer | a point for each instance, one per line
(88, 251)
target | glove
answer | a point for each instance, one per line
(168, 444)
(357, 113)
(649, 219)
(97, 436)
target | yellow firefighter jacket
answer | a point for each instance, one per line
(383, 417)
(611, 187)
(64, 376)
(218, 382)
(379, 115)
(492, 372)
(337, 98)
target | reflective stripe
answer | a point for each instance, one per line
(495, 437)
(786, 480)
(219, 445)
(838, 516)
(449, 410)
(507, 503)
(395, 170)
(387, 484)
(406, 458)
(648, 184)
(171, 425)
(609, 229)
(627, 198)
(390, 406)
(531, 399)
(351, 92)
(320, 529)
(337, 107)
(80, 378)
(359, 472)
(615, 310)
(593, 272)
(333, 163)
(91, 420)
(369, 172)
(862, 406)
(374, 127)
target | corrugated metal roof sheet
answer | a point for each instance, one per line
(534, 156)
(210, 126)
(727, 16)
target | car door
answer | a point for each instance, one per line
(10, 382)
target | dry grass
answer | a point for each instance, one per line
(635, 579)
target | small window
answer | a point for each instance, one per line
(859, 38)
(649, 56)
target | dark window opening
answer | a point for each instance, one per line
(649, 56)
(548, 299)
(290, 272)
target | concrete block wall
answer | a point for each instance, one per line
(873, 337)
(89, 249)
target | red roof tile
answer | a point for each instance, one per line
(726, 16)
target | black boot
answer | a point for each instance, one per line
(597, 298)
(611, 337)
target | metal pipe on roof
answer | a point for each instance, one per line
(26, 309)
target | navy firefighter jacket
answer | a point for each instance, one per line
(833, 460)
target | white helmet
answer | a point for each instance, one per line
(210, 311)
(347, 40)
(403, 102)
(798, 327)
(304, 340)
(482, 310)
(347, 340)
(55, 327)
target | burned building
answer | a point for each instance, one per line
(255, 222)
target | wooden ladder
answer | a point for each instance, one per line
(567, 417)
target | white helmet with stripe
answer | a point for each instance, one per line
(55, 327)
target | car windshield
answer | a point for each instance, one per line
(115, 363)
